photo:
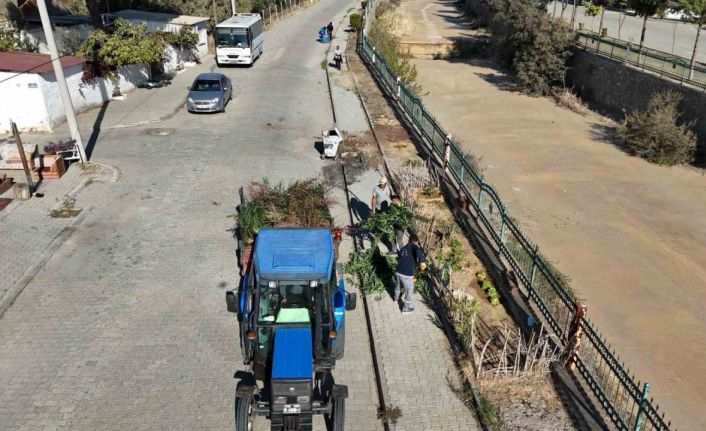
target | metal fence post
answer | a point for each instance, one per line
(447, 153)
(503, 214)
(480, 192)
(534, 266)
(641, 410)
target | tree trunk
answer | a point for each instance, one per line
(573, 16)
(642, 38)
(95, 10)
(696, 46)
(600, 24)
(554, 11)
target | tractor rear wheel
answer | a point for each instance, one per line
(339, 414)
(243, 407)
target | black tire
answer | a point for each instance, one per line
(339, 414)
(242, 413)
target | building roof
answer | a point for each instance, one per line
(131, 14)
(294, 253)
(32, 62)
(241, 20)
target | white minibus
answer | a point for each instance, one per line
(239, 39)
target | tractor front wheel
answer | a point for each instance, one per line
(243, 408)
(339, 414)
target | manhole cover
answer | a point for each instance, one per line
(158, 132)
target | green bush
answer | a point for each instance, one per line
(185, 39)
(655, 135)
(126, 44)
(387, 46)
(356, 21)
(530, 42)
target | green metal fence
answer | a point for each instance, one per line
(658, 62)
(624, 400)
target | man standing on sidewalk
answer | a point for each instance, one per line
(381, 196)
(411, 255)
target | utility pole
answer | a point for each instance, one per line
(23, 157)
(232, 6)
(61, 80)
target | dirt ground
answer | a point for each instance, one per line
(523, 404)
(630, 235)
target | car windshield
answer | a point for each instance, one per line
(206, 85)
(232, 37)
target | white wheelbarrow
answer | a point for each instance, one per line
(332, 139)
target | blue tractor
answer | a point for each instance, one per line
(291, 308)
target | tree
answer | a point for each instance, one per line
(532, 43)
(592, 9)
(697, 10)
(602, 4)
(646, 9)
(127, 44)
(96, 8)
(573, 15)
(621, 16)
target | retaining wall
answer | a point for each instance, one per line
(615, 89)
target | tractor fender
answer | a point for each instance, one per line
(339, 391)
(246, 386)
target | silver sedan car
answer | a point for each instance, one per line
(210, 92)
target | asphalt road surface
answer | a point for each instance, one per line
(670, 36)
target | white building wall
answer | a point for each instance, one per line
(86, 96)
(22, 100)
(33, 101)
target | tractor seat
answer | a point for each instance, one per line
(293, 315)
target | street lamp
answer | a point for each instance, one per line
(61, 79)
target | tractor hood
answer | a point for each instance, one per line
(292, 359)
(294, 254)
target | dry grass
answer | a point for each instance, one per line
(565, 98)
(398, 22)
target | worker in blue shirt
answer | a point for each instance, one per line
(411, 255)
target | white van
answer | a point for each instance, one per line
(239, 39)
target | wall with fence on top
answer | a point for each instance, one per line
(623, 399)
(647, 59)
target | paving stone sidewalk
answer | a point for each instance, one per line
(417, 370)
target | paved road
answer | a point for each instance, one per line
(125, 326)
(665, 35)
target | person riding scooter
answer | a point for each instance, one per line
(338, 57)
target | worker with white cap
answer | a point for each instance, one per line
(381, 196)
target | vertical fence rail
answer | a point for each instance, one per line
(597, 365)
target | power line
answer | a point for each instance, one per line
(35, 67)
